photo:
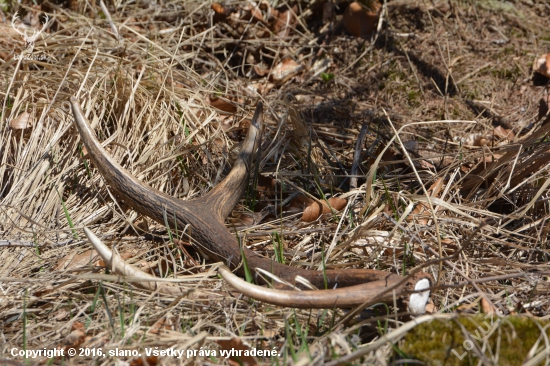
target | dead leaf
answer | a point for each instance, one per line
(337, 203)
(75, 339)
(476, 139)
(421, 211)
(449, 245)
(61, 314)
(542, 65)
(220, 12)
(486, 306)
(430, 308)
(21, 122)
(222, 104)
(253, 13)
(504, 133)
(316, 209)
(261, 70)
(284, 70)
(183, 243)
(284, 22)
(360, 21)
(237, 344)
(77, 325)
(390, 252)
(261, 88)
(73, 260)
(163, 324)
(247, 220)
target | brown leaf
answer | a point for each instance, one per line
(449, 245)
(73, 260)
(359, 21)
(430, 308)
(142, 224)
(337, 203)
(422, 209)
(183, 243)
(77, 326)
(21, 122)
(238, 345)
(486, 306)
(260, 70)
(220, 12)
(222, 104)
(284, 22)
(313, 211)
(392, 251)
(75, 339)
(247, 220)
(284, 70)
(316, 209)
(503, 133)
(163, 324)
(252, 13)
(542, 65)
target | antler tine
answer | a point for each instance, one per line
(119, 266)
(217, 199)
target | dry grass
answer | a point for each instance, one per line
(464, 66)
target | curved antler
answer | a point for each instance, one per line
(206, 216)
(368, 293)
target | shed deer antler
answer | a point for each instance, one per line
(206, 216)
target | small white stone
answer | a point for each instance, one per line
(417, 301)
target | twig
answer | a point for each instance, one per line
(357, 153)
(109, 19)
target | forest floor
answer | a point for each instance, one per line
(452, 175)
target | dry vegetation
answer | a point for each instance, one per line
(454, 165)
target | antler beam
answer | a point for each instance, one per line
(206, 216)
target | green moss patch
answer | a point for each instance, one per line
(466, 340)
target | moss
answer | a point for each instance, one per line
(454, 341)
(414, 97)
(500, 6)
